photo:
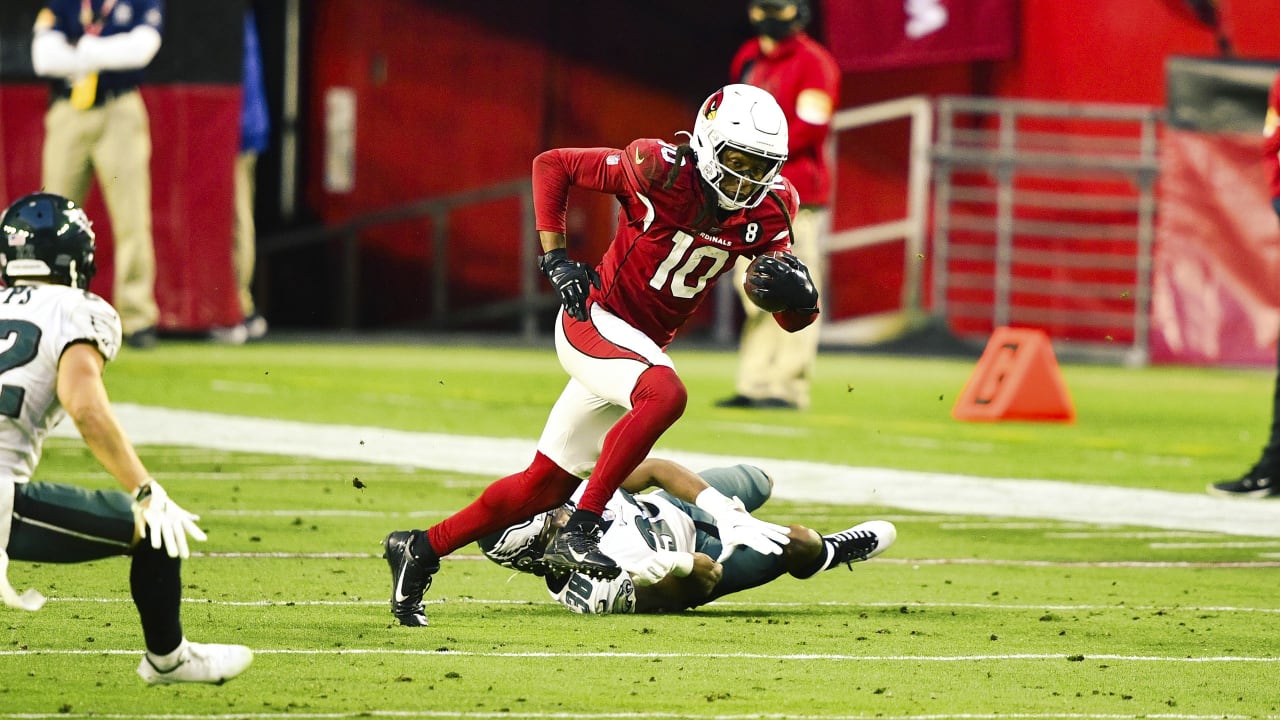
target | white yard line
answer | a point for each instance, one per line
(506, 714)
(709, 656)
(915, 562)
(795, 479)
(915, 604)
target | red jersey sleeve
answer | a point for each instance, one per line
(555, 171)
(780, 227)
(647, 163)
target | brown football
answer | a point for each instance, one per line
(761, 301)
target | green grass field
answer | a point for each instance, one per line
(966, 616)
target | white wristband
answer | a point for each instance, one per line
(683, 565)
(715, 502)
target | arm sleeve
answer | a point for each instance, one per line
(53, 56)
(555, 171)
(133, 50)
(818, 76)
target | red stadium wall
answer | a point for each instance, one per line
(192, 94)
(194, 135)
(471, 112)
(1088, 51)
(478, 106)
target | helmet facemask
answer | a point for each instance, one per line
(737, 189)
(740, 139)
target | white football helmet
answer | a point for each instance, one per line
(745, 118)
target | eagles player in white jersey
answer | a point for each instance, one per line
(678, 546)
(55, 339)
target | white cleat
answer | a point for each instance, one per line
(204, 663)
(860, 542)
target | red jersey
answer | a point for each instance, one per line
(668, 252)
(797, 63)
(1271, 138)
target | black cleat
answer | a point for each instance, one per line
(1259, 482)
(410, 576)
(577, 550)
(750, 403)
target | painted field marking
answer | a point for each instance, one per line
(915, 562)
(1126, 535)
(558, 715)
(913, 604)
(1214, 545)
(796, 480)
(1007, 657)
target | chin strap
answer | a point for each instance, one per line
(30, 600)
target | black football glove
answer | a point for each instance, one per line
(785, 279)
(572, 279)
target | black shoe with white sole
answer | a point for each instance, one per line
(576, 549)
(410, 575)
(1259, 482)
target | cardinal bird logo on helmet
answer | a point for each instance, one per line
(712, 104)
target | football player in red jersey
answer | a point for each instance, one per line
(688, 212)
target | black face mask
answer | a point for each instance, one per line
(774, 28)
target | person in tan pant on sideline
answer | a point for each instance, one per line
(95, 51)
(775, 367)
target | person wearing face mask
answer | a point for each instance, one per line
(775, 367)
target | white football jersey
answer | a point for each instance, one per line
(640, 525)
(37, 323)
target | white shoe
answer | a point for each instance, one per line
(234, 335)
(198, 662)
(255, 327)
(860, 542)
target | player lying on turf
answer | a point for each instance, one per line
(673, 552)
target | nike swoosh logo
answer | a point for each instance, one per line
(400, 596)
(639, 157)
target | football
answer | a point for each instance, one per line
(759, 299)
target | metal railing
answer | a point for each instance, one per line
(526, 307)
(911, 228)
(1019, 187)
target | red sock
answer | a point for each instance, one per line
(541, 486)
(657, 401)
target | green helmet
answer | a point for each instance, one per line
(47, 237)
